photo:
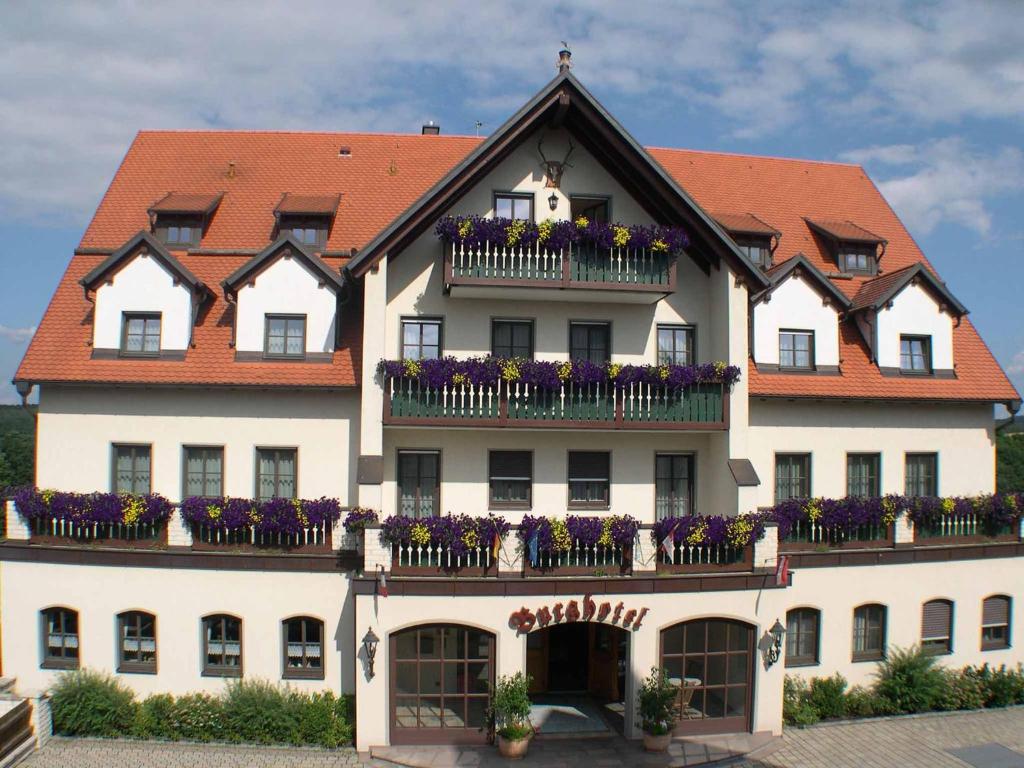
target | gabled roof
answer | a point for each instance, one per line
(843, 231)
(876, 293)
(565, 102)
(203, 203)
(286, 245)
(142, 241)
(801, 265)
(744, 224)
(314, 205)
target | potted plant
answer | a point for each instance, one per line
(510, 714)
(657, 704)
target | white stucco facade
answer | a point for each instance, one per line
(913, 311)
(796, 306)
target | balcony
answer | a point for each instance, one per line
(528, 272)
(638, 406)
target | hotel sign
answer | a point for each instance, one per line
(524, 620)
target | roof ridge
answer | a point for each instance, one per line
(296, 132)
(777, 158)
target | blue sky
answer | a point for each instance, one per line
(929, 97)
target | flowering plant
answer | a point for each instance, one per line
(458, 533)
(738, 531)
(995, 511)
(266, 516)
(359, 518)
(550, 375)
(110, 508)
(560, 534)
(476, 231)
(844, 514)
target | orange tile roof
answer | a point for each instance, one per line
(318, 204)
(743, 223)
(846, 231)
(384, 174)
(186, 202)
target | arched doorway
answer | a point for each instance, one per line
(441, 677)
(714, 660)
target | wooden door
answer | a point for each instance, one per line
(603, 674)
(537, 645)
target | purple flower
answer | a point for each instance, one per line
(359, 518)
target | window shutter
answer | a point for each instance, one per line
(589, 465)
(995, 611)
(935, 620)
(510, 464)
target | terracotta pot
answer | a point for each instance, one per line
(654, 743)
(514, 749)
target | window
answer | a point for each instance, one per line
(758, 251)
(511, 479)
(995, 623)
(802, 630)
(179, 230)
(303, 639)
(60, 638)
(589, 479)
(136, 633)
(285, 336)
(590, 341)
(862, 475)
(275, 473)
(222, 646)
(592, 208)
(512, 338)
(131, 468)
(869, 633)
(140, 334)
(937, 627)
(857, 260)
(675, 345)
(507, 206)
(673, 485)
(307, 230)
(421, 339)
(916, 354)
(921, 474)
(792, 476)
(204, 471)
(419, 483)
(796, 349)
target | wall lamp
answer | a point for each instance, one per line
(370, 641)
(773, 648)
(553, 201)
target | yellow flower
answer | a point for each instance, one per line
(132, 509)
(515, 231)
(614, 370)
(663, 372)
(582, 222)
(412, 368)
(213, 512)
(459, 378)
(605, 539)
(659, 246)
(47, 495)
(510, 370)
(419, 535)
(464, 228)
(696, 536)
(888, 511)
(739, 531)
(948, 506)
(1011, 501)
(719, 368)
(544, 230)
(254, 515)
(621, 237)
(813, 510)
(470, 538)
(297, 503)
(560, 538)
(564, 371)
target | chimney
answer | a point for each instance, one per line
(429, 129)
(564, 59)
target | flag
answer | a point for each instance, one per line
(534, 547)
(495, 546)
(782, 570)
(666, 544)
(382, 583)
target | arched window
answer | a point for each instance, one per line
(803, 628)
(136, 636)
(937, 627)
(995, 623)
(222, 646)
(303, 642)
(60, 638)
(869, 632)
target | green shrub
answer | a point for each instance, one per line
(510, 706)
(1002, 687)
(794, 696)
(199, 717)
(88, 703)
(826, 696)
(657, 700)
(963, 690)
(909, 680)
(260, 712)
(864, 702)
(324, 719)
(154, 718)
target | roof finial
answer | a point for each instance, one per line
(564, 59)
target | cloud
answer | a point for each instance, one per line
(1016, 366)
(945, 180)
(16, 335)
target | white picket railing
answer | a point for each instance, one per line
(490, 260)
(813, 532)
(951, 526)
(441, 557)
(579, 556)
(68, 529)
(683, 553)
(313, 535)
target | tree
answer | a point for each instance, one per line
(1010, 462)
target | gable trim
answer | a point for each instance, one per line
(801, 265)
(142, 240)
(286, 244)
(912, 275)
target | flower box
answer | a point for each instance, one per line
(438, 560)
(312, 539)
(62, 532)
(966, 520)
(582, 560)
(449, 545)
(577, 545)
(706, 558)
(293, 525)
(706, 543)
(805, 535)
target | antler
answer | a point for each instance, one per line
(540, 148)
(568, 154)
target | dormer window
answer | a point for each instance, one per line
(179, 230)
(855, 250)
(755, 238)
(178, 218)
(140, 334)
(285, 336)
(857, 260)
(757, 250)
(796, 350)
(311, 231)
(307, 218)
(915, 354)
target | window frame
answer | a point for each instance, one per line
(604, 324)
(288, 222)
(222, 670)
(797, 660)
(845, 249)
(431, 320)
(126, 317)
(595, 201)
(690, 334)
(502, 504)
(926, 344)
(513, 321)
(938, 650)
(599, 505)
(288, 318)
(527, 196)
(907, 456)
(789, 455)
(436, 453)
(691, 460)
(795, 332)
(875, 479)
(196, 223)
(184, 469)
(304, 672)
(746, 242)
(998, 645)
(63, 661)
(114, 448)
(125, 666)
(870, 654)
(277, 475)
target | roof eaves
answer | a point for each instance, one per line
(155, 247)
(823, 229)
(779, 274)
(286, 240)
(210, 207)
(906, 277)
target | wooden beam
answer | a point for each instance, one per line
(561, 110)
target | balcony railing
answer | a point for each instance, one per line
(436, 559)
(581, 560)
(705, 558)
(806, 534)
(314, 538)
(635, 269)
(962, 528)
(637, 406)
(57, 531)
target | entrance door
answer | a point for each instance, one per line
(603, 679)
(441, 676)
(568, 651)
(714, 659)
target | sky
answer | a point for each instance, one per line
(928, 97)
